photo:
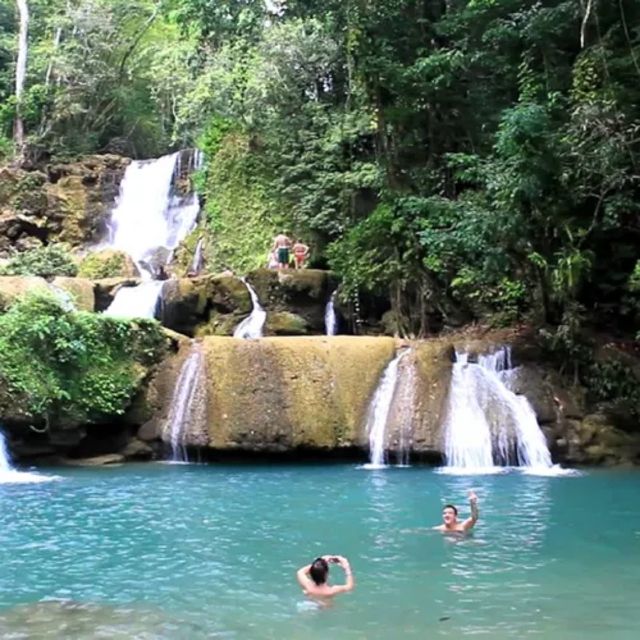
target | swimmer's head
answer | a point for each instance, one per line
(449, 514)
(319, 571)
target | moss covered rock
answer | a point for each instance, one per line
(107, 263)
(303, 293)
(206, 305)
(285, 323)
(279, 394)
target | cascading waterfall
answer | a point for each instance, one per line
(330, 318)
(487, 424)
(251, 327)
(198, 258)
(378, 413)
(148, 222)
(9, 475)
(188, 405)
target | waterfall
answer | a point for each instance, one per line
(251, 327)
(188, 405)
(379, 412)
(198, 258)
(330, 318)
(149, 221)
(136, 302)
(21, 71)
(487, 424)
(9, 475)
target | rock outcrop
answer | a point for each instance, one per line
(67, 203)
(295, 302)
(280, 394)
(79, 290)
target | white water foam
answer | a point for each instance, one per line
(148, 222)
(378, 413)
(188, 404)
(136, 302)
(488, 426)
(330, 318)
(251, 327)
(9, 475)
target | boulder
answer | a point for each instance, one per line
(206, 305)
(13, 287)
(303, 292)
(80, 290)
(285, 323)
(107, 263)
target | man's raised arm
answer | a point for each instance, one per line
(304, 580)
(469, 523)
(350, 583)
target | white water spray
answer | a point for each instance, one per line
(149, 220)
(136, 302)
(188, 405)
(330, 318)
(9, 475)
(379, 412)
(251, 327)
(489, 427)
(198, 258)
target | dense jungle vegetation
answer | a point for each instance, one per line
(465, 159)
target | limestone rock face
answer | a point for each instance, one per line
(303, 293)
(215, 304)
(80, 290)
(279, 394)
(64, 203)
(206, 305)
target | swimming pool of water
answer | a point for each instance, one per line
(195, 551)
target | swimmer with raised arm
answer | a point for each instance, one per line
(313, 578)
(450, 517)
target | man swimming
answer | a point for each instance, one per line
(313, 578)
(450, 517)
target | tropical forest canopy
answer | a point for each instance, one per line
(464, 159)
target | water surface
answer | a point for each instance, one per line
(194, 551)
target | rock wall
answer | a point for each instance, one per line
(80, 290)
(61, 203)
(295, 302)
(284, 394)
(279, 394)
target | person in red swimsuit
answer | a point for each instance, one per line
(300, 253)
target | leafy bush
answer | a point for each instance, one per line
(77, 365)
(50, 260)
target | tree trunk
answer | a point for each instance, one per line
(21, 72)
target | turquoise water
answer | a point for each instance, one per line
(161, 551)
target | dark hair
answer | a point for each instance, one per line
(450, 506)
(319, 570)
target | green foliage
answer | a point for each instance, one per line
(239, 214)
(76, 365)
(47, 261)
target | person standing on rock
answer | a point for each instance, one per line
(281, 246)
(300, 253)
(313, 578)
(450, 517)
